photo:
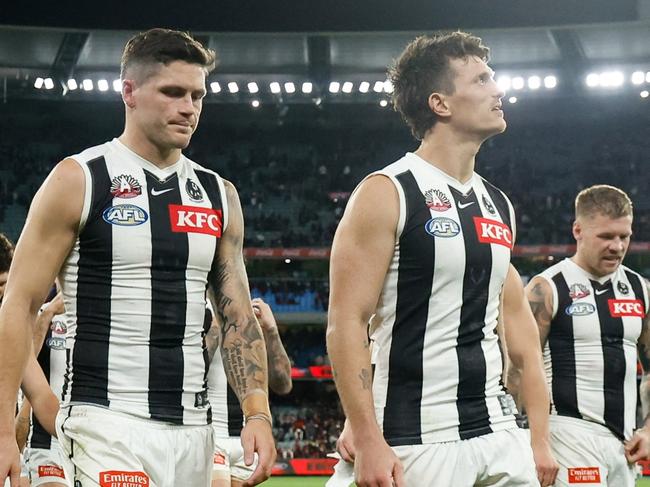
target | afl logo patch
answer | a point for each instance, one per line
(56, 343)
(193, 191)
(442, 227)
(125, 215)
(580, 309)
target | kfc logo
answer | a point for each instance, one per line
(116, 478)
(584, 475)
(619, 308)
(195, 219)
(492, 231)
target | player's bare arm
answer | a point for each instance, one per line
(38, 392)
(46, 240)
(242, 345)
(361, 253)
(638, 447)
(277, 358)
(525, 353)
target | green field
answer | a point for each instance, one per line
(320, 482)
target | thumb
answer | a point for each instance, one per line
(398, 474)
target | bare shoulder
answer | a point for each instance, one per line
(538, 287)
(374, 204)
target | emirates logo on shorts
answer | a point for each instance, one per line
(50, 471)
(584, 475)
(118, 478)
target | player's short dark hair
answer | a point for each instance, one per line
(423, 68)
(163, 46)
(602, 198)
(6, 253)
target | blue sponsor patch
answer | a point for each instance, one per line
(442, 227)
(125, 215)
(580, 309)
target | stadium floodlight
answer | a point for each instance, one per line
(347, 87)
(307, 87)
(388, 86)
(518, 83)
(87, 85)
(49, 83)
(592, 80)
(117, 85)
(512, 99)
(215, 87)
(534, 82)
(334, 87)
(275, 87)
(233, 87)
(504, 82)
(550, 81)
(378, 87)
(644, 94)
(638, 77)
(255, 103)
(290, 87)
(38, 83)
(647, 77)
(72, 84)
(102, 85)
(364, 86)
(252, 87)
(611, 79)
(383, 103)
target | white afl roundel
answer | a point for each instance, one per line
(125, 215)
(442, 227)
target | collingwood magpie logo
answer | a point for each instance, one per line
(193, 191)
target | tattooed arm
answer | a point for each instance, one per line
(522, 337)
(361, 253)
(278, 361)
(540, 298)
(242, 345)
(638, 447)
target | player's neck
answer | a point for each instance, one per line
(142, 146)
(450, 153)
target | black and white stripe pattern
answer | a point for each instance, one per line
(590, 355)
(134, 285)
(438, 372)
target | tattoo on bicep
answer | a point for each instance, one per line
(366, 379)
(537, 301)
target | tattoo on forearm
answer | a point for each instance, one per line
(366, 379)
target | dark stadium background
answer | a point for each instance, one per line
(297, 156)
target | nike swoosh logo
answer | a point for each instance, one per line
(156, 193)
(601, 291)
(464, 205)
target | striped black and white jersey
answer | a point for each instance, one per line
(590, 355)
(227, 416)
(52, 359)
(134, 285)
(438, 364)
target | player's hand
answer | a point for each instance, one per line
(257, 437)
(345, 444)
(638, 447)
(264, 315)
(9, 459)
(376, 465)
(545, 464)
(56, 305)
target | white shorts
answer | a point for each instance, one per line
(503, 458)
(229, 460)
(45, 466)
(588, 454)
(103, 448)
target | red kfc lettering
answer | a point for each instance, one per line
(619, 308)
(195, 219)
(493, 232)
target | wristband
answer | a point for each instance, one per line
(261, 416)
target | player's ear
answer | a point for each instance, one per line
(439, 104)
(128, 87)
(577, 230)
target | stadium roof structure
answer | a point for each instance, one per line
(333, 66)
